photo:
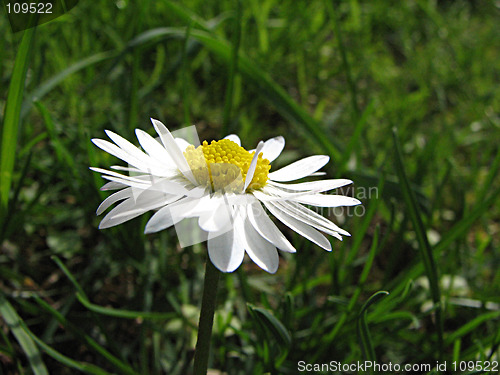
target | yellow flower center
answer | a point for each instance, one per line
(223, 165)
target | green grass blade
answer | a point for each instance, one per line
(52, 82)
(14, 321)
(63, 154)
(354, 140)
(61, 358)
(12, 118)
(124, 368)
(471, 326)
(187, 16)
(460, 228)
(398, 285)
(424, 246)
(68, 274)
(354, 298)
(345, 61)
(126, 314)
(362, 327)
(360, 234)
(184, 71)
(271, 324)
(233, 69)
(265, 85)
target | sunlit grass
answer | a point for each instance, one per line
(331, 80)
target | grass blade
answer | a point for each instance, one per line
(330, 337)
(124, 368)
(345, 61)
(184, 71)
(48, 85)
(266, 86)
(12, 117)
(424, 246)
(271, 324)
(14, 322)
(233, 70)
(119, 313)
(471, 326)
(362, 327)
(61, 358)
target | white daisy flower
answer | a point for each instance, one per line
(224, 187)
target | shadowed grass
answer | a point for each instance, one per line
(12, 119)
(424, 246)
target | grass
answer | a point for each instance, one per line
(334, 78)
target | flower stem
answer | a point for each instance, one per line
(206, 319)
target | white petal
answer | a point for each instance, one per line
(168, 187)
(125, 169)
(127, 182)
(299, 227)
(272, 148)
(225, 251)
(253, 165)
(217, 219)
(198, 207)
(126, 211)
(121, 176)
(317, 217)
(262, 252)
(239, 199)
(326, 200)
(113, 198)
(112, 185)
(174, 151)
(310, 217)
(196, 192)
(154, 148)
(271, 194)
(299, 169)
(125, 145)
(162, 219)
(267, 229)
(317, 186)
(130, 149)
(234, 138)
(114, 150)
(182, 143)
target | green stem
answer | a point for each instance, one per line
(206, 319)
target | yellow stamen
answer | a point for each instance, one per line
(223, 165)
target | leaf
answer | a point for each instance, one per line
(14, 321)
(471, 326)
(271, 325)
(84, 367)
(120, 313)
(363, 331)
(48, 85)
(123, 367)
(420, 230)
(12, 116)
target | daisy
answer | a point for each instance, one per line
(224, 187)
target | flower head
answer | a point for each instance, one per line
(224, 187)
